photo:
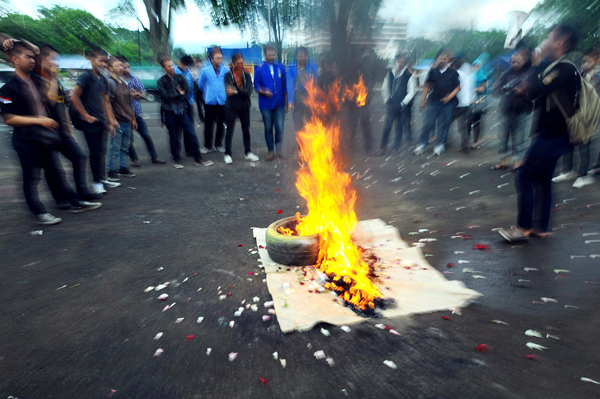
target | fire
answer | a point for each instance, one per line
(357, 92)
(285, 231)
(330, 201)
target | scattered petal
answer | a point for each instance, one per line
(163, 297)
(499, 322)
(482, 348)
(263, 380)
(446, 318)
(532, 357)
(232, 356)
(319, 355)
(533, 333)
(189, 337)
(149, 289)
(532, 345)
(395, 332)
(345, 329)
(390, 364)
(283, 362)
(208, 350)
(588, 380)
(179, 320)
(330, 361)
(325, 332)
(266, 318)
(157, 336)
(158, 352)
(279, 212)
(268, 304)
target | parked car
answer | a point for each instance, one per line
(6, 73)
(149, 76)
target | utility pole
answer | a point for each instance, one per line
(269, 21)
(139, 45)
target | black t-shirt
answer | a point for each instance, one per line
(443, 84)
(94, 89)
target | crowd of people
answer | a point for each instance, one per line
(105, 106)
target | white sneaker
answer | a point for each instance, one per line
(564, 177)
(439, 150)
(420, 150)
(47, 219)
(98, 188)
(251, 157)
(220, 148)
(228, 160)
(204, 163)
(583, 181)
(205, 150)
(110, 184)
(178, 166)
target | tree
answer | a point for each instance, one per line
(160, 16)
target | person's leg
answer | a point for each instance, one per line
(429, 120)
(230, 120)
(187, 145)
(390, 116)
(125, 142)
(518, 138)
(145, 133)
(505, 132)
(133, 155)
(173, 128)
(445, 117)
(71, 150)
(365, 121)
(476, 128)
(188, 130)
(200, 103)
(399, 119)
(407, 123)
(96, 138)
(278, 122)
(245, 122)
(208, 125)
(115, 151)
(584, 159)
(350, 125)
(31, 164)
(220, 112)
(56, 178)
(567, 161)
(267, 115)
(461, 125)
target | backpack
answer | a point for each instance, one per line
(584, 122)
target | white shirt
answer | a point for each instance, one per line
(464, 95)
(411, 88)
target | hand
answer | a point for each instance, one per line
(111, 131)
(423, 105)
(290, 107)
(137, 95)
(181, 91)
(267, 93)
(536, 57)
(90, 119)
(115, 124)
(134, 125)
(8, 44)
(48, 123)
(231, 92)
(446, 99)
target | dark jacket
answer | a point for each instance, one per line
(16, 99)
(170, 98)
(511, 104)
(240, 101)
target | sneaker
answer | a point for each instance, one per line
(220, 148)
(98, 188)
(564, 177)
(513, 235)
(270, 156)
(177, 165)
(228, 160)
(583, 181)
(113, 176)
(205, 162)
(251, 157)
(64, 205)
(110, 184)
(439, 150)
(83, 206)
(136, 163)
(205, 150)
(158, 161)
(126, 172)
(420, 150)
(47, 219)
(89, 196)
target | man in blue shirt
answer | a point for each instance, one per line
(270, 84)
(212, 83)
(297, 76)
(186, 63)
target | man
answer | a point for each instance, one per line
(186, 65)
(138, 91)
(358, 115)
(398, 91)
(552, 140)
(90, 99)
(461, 112)
(438, 101)
(120, 102)
(297, 76)
(53, 90)
(26, 108)
(513, 109)
(212, 83)
(198, 93)
(173, 90)
(270, 84)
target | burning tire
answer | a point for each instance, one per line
(291, 250)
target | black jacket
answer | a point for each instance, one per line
(510, 103)
(170, 98)
(240, 101)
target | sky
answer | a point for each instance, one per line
(194, 31)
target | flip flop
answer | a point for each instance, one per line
(498, 167)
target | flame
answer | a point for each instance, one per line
(330, 201)
(357, 92)
(285, 231)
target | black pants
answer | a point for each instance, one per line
(96, 137)
(355, 116)
(71, 150)
(244, 116)
(187, 145)
(474, 125)
(214, 114)
(397, 115)
(199, 96)
(461, 115)
(145, 133)
(176, 123)
(34, 157)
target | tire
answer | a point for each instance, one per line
(150, 97)
(291, 250)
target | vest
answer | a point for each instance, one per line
(398, 88)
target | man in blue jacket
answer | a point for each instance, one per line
(270, 84)
(297, 77)
(212, 83)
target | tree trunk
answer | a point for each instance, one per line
(159, 32)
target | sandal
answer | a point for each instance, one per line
(513, 235)
(500, 166)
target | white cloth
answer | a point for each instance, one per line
(464, 96)
(411, 88)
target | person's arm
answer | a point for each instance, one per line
(482, 87)
(112, 121)
(284, 84)
(185, 86)
(8, 43)
(165, 93)
(202, 80)
(559, 75)
(291, 86)
(450, 96)
(25, 121)
(385, 89)
(76, 101)
(425, 93)
(411, 91)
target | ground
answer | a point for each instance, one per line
(77, 323)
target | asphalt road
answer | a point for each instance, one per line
(77, 323)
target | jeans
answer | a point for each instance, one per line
(584, 159)
(461, 115)
(513, 128)
(145, 133)
(96, 137)
(442, 114)
(301, 115)
(474, 125)
(175, 124)
(119, 147)
(34, 157)
(244, 116)
(355, 116)
(399, 117)
(534, 179)
(273, 117)
(187, 144)
(214, 113)
(71, 150)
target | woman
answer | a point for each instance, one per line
(238, 87)
(478, 103)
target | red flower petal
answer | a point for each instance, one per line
(481, 246)
(277, 190)
(240, 245)
(263, 380)
(279, 212)
(482, 348)
(189, 337)
(445, 318)
(450, 265)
